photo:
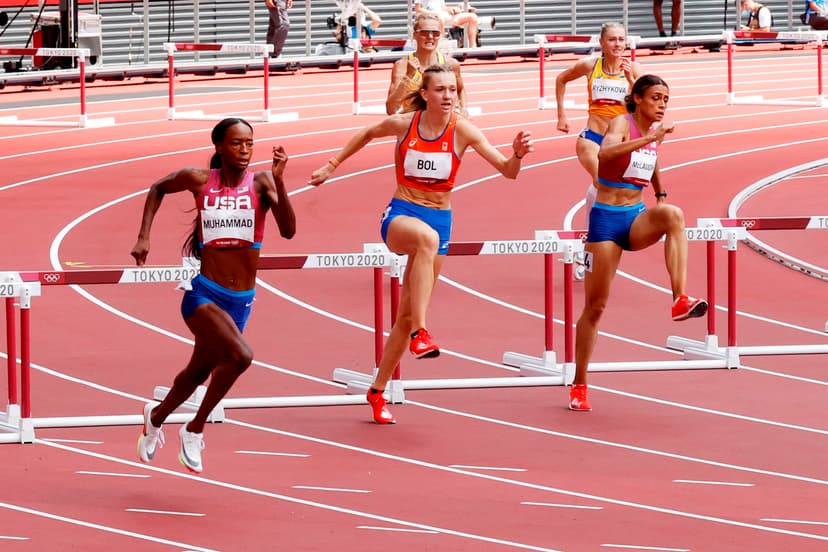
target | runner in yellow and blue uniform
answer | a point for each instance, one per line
(609, 79)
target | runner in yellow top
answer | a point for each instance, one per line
(609, 79)
(407, 72)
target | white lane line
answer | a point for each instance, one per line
(74, 441)
(309, 503)
(267, 453)
(98, 526)
(331, 507)
(164, 512)
(113, 474)
(638, 547)
(722, 483)
(397, 529)
(486, 468)
(331, 489)
(554, 505)
(801, 521)
(9, 537)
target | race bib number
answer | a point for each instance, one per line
(427, 166)
(228, 227)
(641, 167)
(609, 91)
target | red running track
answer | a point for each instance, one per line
(692, 460)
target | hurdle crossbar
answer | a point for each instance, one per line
(24, 285)
(730, 37)
(257, 50)
(81, 54)
(708, 348)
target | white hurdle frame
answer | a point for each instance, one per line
(813, 36)
(546, 363)
(709, 348)
(262, 50)
(80, 54)
(549, 244)
(356, 45)
(18, 422)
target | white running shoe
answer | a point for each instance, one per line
(151, 438)
(190, 453)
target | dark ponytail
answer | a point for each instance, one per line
(192, 246)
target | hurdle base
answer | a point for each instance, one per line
(284, 117)
(12, 416)
(193, 402)
(760, 100)
(545, 366)
(483, 383)
(357, 109)
(82, 122)
(299, 400)
(543, 103)
(657, 365)
(358, 383)
(104, 420)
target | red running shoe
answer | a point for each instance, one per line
(421, 345)
(688, 307)
(578, 400)
(381, 413)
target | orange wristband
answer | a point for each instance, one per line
(334, 162)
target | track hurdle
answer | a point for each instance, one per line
(15, 420)
(548, 244)
(262, 50)
(709, 347)
(81, 54)
(356, 45)
(797, 37)
(20, 425)
(566, 43)
(545, 370)
(545, 364)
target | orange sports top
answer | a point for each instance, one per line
(429, 165)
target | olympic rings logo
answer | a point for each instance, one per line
(748, 223)
(51, 277)
(582, 236)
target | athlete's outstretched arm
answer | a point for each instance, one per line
(187, 179)
(508, 166)
(390, 126)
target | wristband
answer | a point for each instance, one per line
(518, 156)
(661, 194)
(334, 162)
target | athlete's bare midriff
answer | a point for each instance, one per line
(424, 198)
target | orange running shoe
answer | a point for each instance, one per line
(688, 307)
(381, 413)
(578, 400)
(421, 345)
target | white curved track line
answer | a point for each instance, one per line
(761, 185)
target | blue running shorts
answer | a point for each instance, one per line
(235, 303)
(592, 136)
(613, 223)
(438, 219)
